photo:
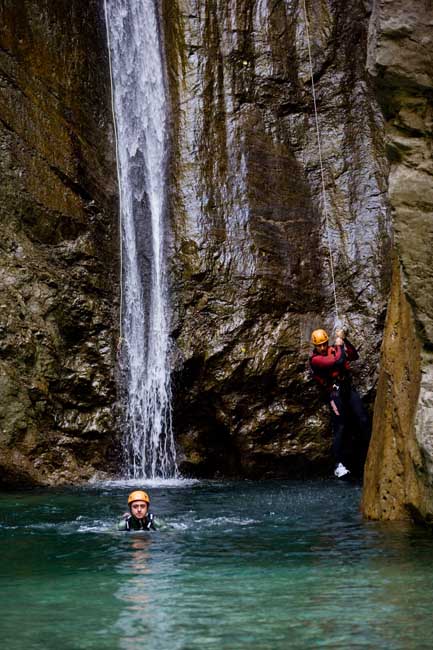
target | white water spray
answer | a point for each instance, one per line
(139, 106)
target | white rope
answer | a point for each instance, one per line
(319, 144)
(119, 184)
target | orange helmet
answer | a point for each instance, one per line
(318, 337)
(138, 495)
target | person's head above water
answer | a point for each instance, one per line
(319, 338)
(138, 502)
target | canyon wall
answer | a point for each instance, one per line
(250, 261)
(58, 268)
(399, 472)
(249, 258)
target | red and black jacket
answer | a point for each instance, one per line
(333, 367)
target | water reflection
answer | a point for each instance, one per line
(134, 592)
(244, 566)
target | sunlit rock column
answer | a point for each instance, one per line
(399, 470)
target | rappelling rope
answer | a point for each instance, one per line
(319, 144)
(118, 179)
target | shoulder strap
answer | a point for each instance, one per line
(149, 521)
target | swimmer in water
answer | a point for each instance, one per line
(139, 517)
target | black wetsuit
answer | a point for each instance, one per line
(332, 373)
(129, 522)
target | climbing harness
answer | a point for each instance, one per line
(119, 184)
(319, 145)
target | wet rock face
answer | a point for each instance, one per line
(250, 262)
(399, 470)
(57, 267)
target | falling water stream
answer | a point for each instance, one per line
(140, 109)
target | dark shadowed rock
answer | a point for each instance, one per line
(58, 212)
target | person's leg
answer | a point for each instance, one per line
(360, 414)
(338, 423)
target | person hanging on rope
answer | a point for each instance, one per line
(139, 517)
(330, 366)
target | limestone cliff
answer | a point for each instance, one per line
(250, 262)
(57, 268)
(399, 470)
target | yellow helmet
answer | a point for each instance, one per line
(318, 337)
(138, 495)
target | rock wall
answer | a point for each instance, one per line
(250, 264)
(58, 277)
(399, 471)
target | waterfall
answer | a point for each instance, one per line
(139, 106)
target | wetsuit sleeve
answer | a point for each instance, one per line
(322, 362)
(121, 524)
(351, 351)
(159, 524)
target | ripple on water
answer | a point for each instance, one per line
(243, 565)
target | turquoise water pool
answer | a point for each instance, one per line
(270, 565)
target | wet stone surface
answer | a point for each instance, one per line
(57, 211)
(250, 262)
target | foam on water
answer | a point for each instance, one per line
(145, 483)
(218, 522)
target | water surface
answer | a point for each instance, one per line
(244, 565)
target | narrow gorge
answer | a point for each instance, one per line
(246, 257)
